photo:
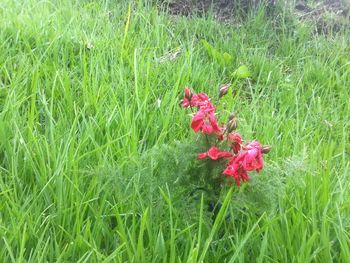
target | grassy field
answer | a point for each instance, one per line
(86, 100)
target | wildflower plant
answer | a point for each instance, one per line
(229, 159)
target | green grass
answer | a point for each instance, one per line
(79, 84)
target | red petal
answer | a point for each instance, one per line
(213, 153)
(202, 156)
(197, 121)
(203, 96)
(207, 129)
(214, 123)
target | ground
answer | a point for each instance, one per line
(328, 15)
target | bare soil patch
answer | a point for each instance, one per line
(328, 15)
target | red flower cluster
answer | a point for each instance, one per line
(242, 158)
(204, 120)
(249, 159)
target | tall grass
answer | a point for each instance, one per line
(84, 97)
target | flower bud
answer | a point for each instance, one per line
(188, 93)
(232, 115)
(223, 89)
(232, 123)
(266, 149)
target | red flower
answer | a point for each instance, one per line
(195, 100)
(205, 121)
(214, 154)
(253, 157)
(200, 99)
(236, 141)
(248, 160)
(236, 170)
